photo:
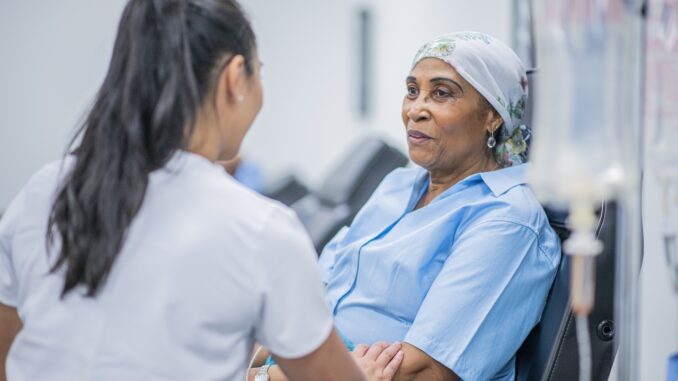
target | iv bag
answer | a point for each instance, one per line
(587, 112)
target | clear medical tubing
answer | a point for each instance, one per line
(587, 135)
(583, 246)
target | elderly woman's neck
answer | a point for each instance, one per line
(444, 179)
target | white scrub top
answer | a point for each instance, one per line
(207, 267)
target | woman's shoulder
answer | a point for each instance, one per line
(45, 181)
(518, 207)
(218, 195)
(512, 200)
(522, 205)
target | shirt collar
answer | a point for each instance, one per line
(182, 159)
(502, 180)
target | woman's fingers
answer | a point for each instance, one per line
(393, 365)
(388, 354)
(380, 361)
(375, 350)
(360, 350)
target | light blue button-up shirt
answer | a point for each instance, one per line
(464, 278)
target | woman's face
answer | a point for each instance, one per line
(446, 129)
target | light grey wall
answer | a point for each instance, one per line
(54, 55)
(310, 52)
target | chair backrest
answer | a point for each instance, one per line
(359, 172)
(346, 189)
(550, 351)
(288, 190)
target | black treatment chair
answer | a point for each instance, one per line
(346, 189)
(288, 190)
(550, 351)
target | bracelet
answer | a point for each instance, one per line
(262, 374)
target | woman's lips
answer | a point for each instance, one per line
(417, 137)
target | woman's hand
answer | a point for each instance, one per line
(380, 361)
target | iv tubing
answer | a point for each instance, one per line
(584, 346)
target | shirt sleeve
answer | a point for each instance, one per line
(8, 224)
(486, 299)
(294, 320)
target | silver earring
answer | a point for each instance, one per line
(241, 98)
(491, 141)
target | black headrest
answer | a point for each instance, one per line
(356, 176)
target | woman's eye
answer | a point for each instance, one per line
(411, 91)
(442, 93)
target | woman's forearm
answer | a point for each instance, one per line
(419, 366)
(10, 325)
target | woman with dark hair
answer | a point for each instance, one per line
(137, 257)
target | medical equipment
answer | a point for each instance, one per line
(585, 149)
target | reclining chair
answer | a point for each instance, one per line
(344, 191)
(550, 351)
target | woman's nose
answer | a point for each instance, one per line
(418, 109)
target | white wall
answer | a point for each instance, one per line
(310, 52)
(54, 55)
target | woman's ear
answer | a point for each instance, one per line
(493, 121)
(232, 82)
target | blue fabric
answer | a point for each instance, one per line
(672, 371)
(348, 343)
(250, 175)
(464, 278)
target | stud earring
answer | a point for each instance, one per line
(241, 98)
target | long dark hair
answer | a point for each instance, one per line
(165, 59)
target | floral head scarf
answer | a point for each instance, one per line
(497, 73)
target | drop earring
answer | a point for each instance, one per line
(491, 141)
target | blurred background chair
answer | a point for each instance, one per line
(343, 191)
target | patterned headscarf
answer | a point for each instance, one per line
(497, 73)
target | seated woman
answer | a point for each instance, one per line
(453, 257)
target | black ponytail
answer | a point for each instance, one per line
(164, 62)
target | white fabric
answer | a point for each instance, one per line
(489, 66)
(207, 268)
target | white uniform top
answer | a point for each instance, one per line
(208, 267)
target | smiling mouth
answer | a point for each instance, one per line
(417, 137)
